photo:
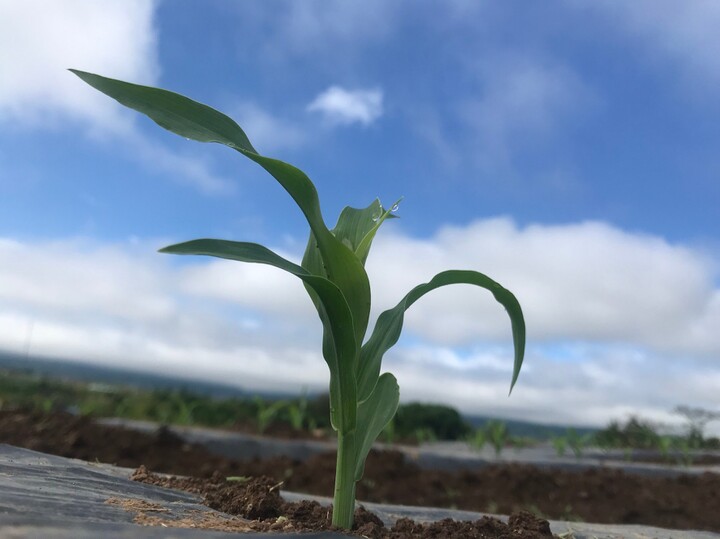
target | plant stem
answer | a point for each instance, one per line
(344, 499)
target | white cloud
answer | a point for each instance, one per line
(40, 40)
(315, 21)
(592, 387)
(192, 171)
(586, 281)
(317, 27)
(345, 107)
(268, 132)
(685, 33)
(263, 288)
(615, 319)
(76, 278)
(520, 102)
(271, 367)
(126, 306)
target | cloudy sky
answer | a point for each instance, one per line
(569, 150)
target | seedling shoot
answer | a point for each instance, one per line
(362, 400)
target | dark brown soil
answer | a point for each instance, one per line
(283, 431)
(699, 460)
(599, 495)
(258, 499)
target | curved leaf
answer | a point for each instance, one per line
(340, 265)
(196, 121)
(363, 248)
(356, 227)
(389, 325)
(373, 415)
(338, 337)
(172, 111)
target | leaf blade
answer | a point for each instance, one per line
(389, 324)
(339, 345)
(356, 227)
(374, 413)
(190, 119)
(172, 111)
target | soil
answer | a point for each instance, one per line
(282, 430)
(600, 495)
(258, 499)
(699, 460)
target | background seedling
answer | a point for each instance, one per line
(266, 413)
(560, 445)
(576, 442)
(477, 439)
(298, 413)
(497, 435)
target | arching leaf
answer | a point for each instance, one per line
(202, 123)
(338, 337)
(374, 413)
(389, 325)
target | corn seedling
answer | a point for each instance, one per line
(665, 444)
(576, 442)
(298, 413)
(560, 445)
(686, 456)
(496, 434)
(424, 434)
(362, 401)
(266, 413)
(478, 439)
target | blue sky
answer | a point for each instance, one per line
(567, 149)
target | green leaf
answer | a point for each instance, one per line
(172, 111)
(373, 415)
(340, 265)
(363, 248)
(196, 121)
(354, 223)
(389, 325)
(356, 227)
(338, 337)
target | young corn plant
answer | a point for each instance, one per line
(266, 412)
(576, 442)
(298, 413)
(665, 445)
(362, 401)
(560, 444)
(478, 439)
(497, 435)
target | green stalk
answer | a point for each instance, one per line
(344, 499)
